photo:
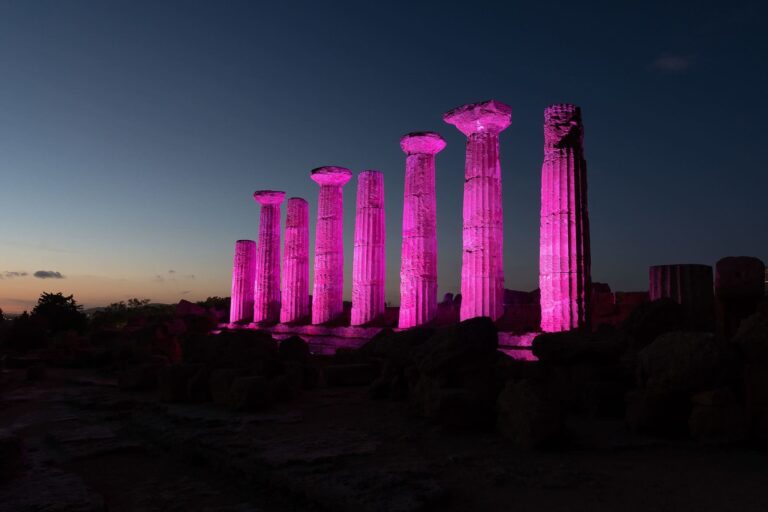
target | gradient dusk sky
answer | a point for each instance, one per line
(133, 133)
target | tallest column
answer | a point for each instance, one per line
(564, 258)
(482, 264)
(328, 290)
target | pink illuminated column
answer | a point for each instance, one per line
(482, 265)
(243, 274)
(368, 265)
(564, 257)
(295, 297)
(418, 266)
(266, 297)
(328, 289)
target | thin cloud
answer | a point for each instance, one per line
(10, 275)
(672, 63)
(158, 278)
(190, 276)
(171, 271)
(48, 274)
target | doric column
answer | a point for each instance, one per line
(691, 286)
(369, 261)
(418, 265)
(266, 297)
(482, 264)
(295, 298)
(328, 289)
(564, 255)
(243, 275)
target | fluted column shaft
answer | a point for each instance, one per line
(369, 262)
(564, 251)
(295, 296)
(266, 300)
(243, 275)
(328, 289)
(691, 286)
(418, 270)
(482, 269)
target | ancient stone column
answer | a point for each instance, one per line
(564, 254)
(266, 297)
(482, 265)
(691, 286)
(418, 264)
(295, 296)
(369, 261)
(328, 289)
(243, 275)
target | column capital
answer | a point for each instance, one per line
(422, 143)
(264, 197)
(562, 126)
(487, 116)
(331, 175)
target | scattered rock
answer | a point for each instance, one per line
(651, 319)
(718, 417)
(684, 362)
(752, 338)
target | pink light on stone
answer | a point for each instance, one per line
(369, 261)
(295, 297)
(328, 288)
(266, 299)
(564, 254)
(482, 265)
(418, 266)
(243, 275)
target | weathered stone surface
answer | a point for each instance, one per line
(564, 250)
(739, 288)
(652, 319)
(529, 417)
(328, 288)
(243, 278)
(575, 346)
(691, 287)
(482, 268)
(266, 291)
(295, 297)
(752, 338)
(684, 362)
(718, 417)
(369, 259)
(418, 259)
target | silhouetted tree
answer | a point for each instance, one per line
(57, 312)
(220, 303)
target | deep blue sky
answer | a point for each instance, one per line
(132, 133)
